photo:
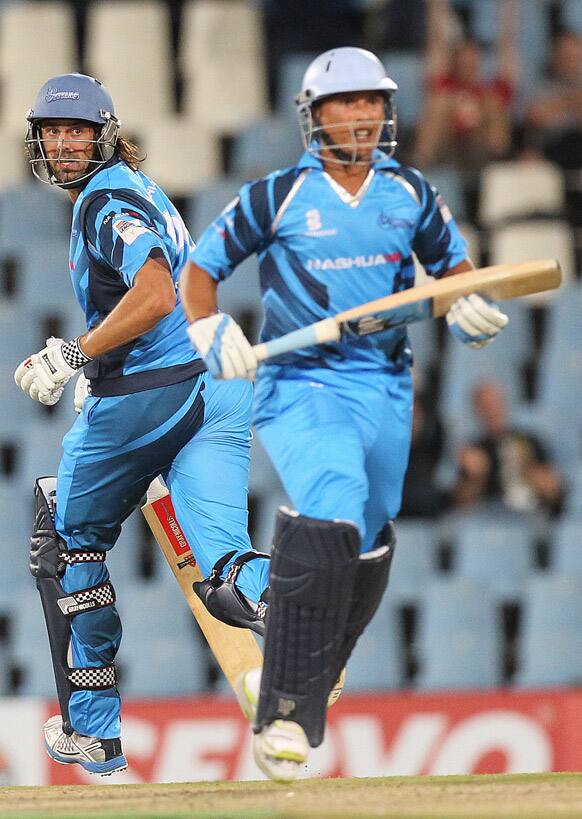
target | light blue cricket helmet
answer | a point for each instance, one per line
(72, 97)
(341, 71)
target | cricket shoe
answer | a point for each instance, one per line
(280, 750)
(248, 687)
(98, 756)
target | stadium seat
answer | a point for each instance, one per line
(414, 562)
(567, 546)
(128, 48)
(171, 661)
(449, 183)
(495, 552)
(471, 234)
(210, 200)
(221, 53)
(574, 496)
(516, 190)
(43, 278)
(37, 41)
(14, 166)
(266, 145)
(180, 158)
(407, 70)
(123, 559)
(292, 67)
(561, 359)
(17, 523)
(535, 239)
(458, 637)
(30, 648)
(42, 444)
(464, 367)
(550, 647)
(572, 15)
(31, 212)
(376, 663)
(547, 422)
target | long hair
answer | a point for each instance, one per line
(129, 152)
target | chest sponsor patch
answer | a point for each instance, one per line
(129, 230)
(347, 262)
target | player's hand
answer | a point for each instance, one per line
(475, 320)
(44, 374)
(222, 344)
(82, 390)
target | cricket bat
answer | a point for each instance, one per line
(499, 282)
(235, 649)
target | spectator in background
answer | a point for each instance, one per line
(505, 464)
(465, 122)
(553, 118)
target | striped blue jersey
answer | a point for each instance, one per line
(322, 251)
(120, 220)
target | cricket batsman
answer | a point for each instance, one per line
(337, 230)
(152, 409)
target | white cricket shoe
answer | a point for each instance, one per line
(248, 687)
(280, 750)
(98, 756)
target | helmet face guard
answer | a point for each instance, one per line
(319, 140)
(345, 71)
(104, 149)
(74, 98)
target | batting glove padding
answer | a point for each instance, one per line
(475, 320)
(222, 344)
(44, 375)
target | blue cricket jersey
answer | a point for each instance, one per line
(322, 251)
(120, 220)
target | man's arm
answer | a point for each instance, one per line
(152, 297)
(197, 292)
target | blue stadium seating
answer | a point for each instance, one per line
(495, 552)
(458, 637)
(30, 649)
(161, 653)
(551, 639)
(567, 547)
(33, 213)
(291, 71)
(376, 663)
(265, 146)
(406, 69)
(413, 565)
(561, 361)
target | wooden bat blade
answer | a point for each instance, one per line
(235, 649)
(499, 282)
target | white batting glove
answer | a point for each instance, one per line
(44, 374)
(82, 390)
(475, 320)
(222, 344)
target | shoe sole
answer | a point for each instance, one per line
(115, 765)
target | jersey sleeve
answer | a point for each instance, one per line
(438, 242)
(123, 236)
(239, 231)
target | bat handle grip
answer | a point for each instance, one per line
(319, 333)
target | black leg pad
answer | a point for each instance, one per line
(48, 561)
(371, 580)
(313, 569)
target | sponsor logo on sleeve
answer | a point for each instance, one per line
(129, 230)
